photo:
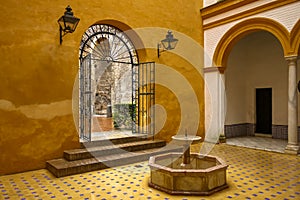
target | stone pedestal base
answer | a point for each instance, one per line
(222, 139)
(292, 149)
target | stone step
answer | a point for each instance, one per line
(96, 151)
(62, 167)
(113, 140)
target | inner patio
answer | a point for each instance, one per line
(252, 174)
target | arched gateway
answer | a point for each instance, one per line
(113, 84)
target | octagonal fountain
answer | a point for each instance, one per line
(187, 174)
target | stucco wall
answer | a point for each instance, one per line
(256, 61)
(37, 74)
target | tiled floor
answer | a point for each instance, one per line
(252, 174)
(262, 143)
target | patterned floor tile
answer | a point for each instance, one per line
(252, 174)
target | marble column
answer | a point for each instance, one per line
(222, 105)
(214, 104)
(293, 145)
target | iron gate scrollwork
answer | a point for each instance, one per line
(85, 108)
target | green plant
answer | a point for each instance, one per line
(123, 115)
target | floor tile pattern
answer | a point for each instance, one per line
(252, 174)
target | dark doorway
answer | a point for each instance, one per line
(264, 110)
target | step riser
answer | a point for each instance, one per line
(75, 170)
(108, 153)
(85, 155)
(108, 142)
(103, 165)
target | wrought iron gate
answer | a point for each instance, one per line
(85, 95)
(106, 43)
(143, 97)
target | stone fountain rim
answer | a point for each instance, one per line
(189, 138)
(153, 165)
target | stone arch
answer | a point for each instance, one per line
(295, 39)
(134, 37)
(241, 29)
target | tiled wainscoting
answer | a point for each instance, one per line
(280, 131)
(238, 130)
(248, 129)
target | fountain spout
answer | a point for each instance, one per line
(187, 140)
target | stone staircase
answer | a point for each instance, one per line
(106, 153)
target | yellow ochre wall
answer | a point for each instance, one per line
(37, 74)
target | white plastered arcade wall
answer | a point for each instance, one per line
(256, 61)
(215, 99)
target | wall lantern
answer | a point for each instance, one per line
(168, 43)
(67, 23)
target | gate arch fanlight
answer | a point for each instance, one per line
(108, 43)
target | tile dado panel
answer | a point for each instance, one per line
(248, 129)
(238, 130)
(281, 132)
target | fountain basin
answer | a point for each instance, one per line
(204, 175)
